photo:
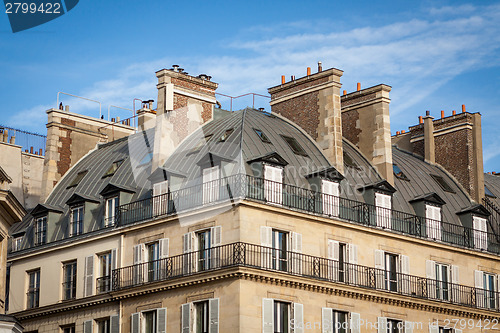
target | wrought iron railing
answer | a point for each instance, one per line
(103, 284)
(33, 298)
(494, 218)
(249, 255)
(69, 290)
(305, 200)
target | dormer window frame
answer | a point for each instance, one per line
(77, 179)
(113, 168)
(433, 225)
(273, 187)
(77, 214)
(40, 230)
(383, 209)
(160, 198)
(111, 203)
(17, 242)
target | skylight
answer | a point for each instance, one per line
(444, 185)
(78, 178)
(226, 134)
(399, 173)
(112, 169)
(201, 143)
(349, 162)
(488, 192)
(146, 159)
(294, 145)
(262, 136)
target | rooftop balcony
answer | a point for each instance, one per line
(307, 201)
(264, 258)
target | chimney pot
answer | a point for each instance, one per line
(175, 68)
(308, 71)
(397, 132)
(293, 77)
(427, 113)
(345, 92)
(403, 132)
(31, 150)
(283, 79)
(463, 108)
(150, 102)
(359, 86)
(66, 108)
(320, 67)
(420, 120)
(442, 113)
(453, 112)
(261, 109)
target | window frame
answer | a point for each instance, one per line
(204, 314)
(262, 136)
(71, 328)
(16, 243)
(78, 178)
(294, 145)
(111, 220)
(33, 293)
(40, 230)
(105, 265)
(69, 280)
(279, 305)
(76, 226)
(144, 323)
(107, 325)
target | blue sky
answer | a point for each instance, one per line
(437, 55)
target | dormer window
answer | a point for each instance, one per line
(17, 243)
(330, 197)
(40, 230)
(76, 221)
(383, 206)
(480, 233)
(273, 184)
(211, 178)
(111, 212)
(433, 221)
(160, 200)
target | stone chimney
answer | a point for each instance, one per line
(185, 103)
(69, 137)
(146, 116)
(366, 123)
(458, 146)
(313, 103)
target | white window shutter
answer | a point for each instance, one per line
(135, 323)
(213, 313)
(89, 276)
(186, 318)
(266, 234)
(353, 254)
(267, 315)
(355, 322)
(379, 259)
(161, 320)
(333, 249)
(114, 324)
(187, 242)
(87, 326)
(408, 327)
(298, 318)
(114, 258)
(405, 264)
(163, 248)
(330, 197)
(382, 325)
(138, 254)
(430, 269)
(296, 242)
(216, 233)
(326, 320)
(479, 279)
(454, 274)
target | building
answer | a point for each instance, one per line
(310, 218)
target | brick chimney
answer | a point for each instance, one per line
(185, 103)
(69, 137)
(458, 148)
(366, 123)
(313, 103)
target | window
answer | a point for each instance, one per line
(391, 271)
(383, 210)
(263, 137)
(76, 221)
(490, 287)
(226, 134)
(104, 282)
(146, 159)
(211, 181)
(111, 212)
(273, 184)
(442, 281)
(335, 321)
(33, 289)
(69, 278)
(152, 258)
(201, 317)
(445, 330)
(200, 144)
(394, 326)
(488, 192)
(103, 325)
(442, 183)
(342, 255)
(280, 248)
(16, 243)
(480, 233)
(399, 173)
(330, 197)
(294, 145)
(433, 221)
(112, 169)
(160, 198)
(281, 317)
(68, 329)
(78, 178)
(149, 321)
(41, 230)
(349, 162)
(203, 246)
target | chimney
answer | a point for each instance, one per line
(455, 143)
(366, 123)
(146, 117)
(313, 103)
(184, 104)
(320, 67)
(429, 147)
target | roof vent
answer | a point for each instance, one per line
(175, 68)
(261, 109)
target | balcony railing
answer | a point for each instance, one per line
(103, 284)
(305, 200)
(248, 255)
(33, 298)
